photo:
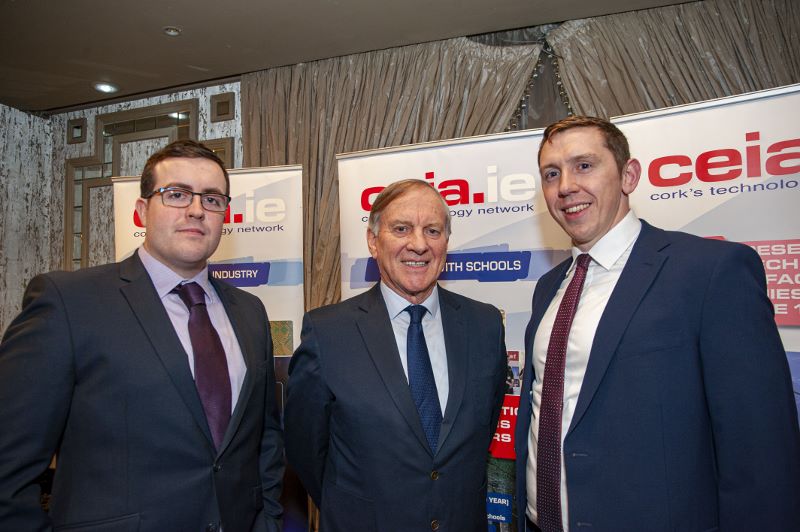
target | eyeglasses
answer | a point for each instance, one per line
(180, 198)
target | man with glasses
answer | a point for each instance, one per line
(152, 382)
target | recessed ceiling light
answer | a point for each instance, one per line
(172, 31)
(108, 88)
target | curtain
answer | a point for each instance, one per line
(542, 102)
(642, 60)
(307, 113)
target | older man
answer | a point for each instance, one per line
(394, 394)
(151, 381)
(657, 391)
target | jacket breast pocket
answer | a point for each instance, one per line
(652, 344)
(123, 523)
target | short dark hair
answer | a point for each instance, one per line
(180, 148)
(394, 191)
(614, 138)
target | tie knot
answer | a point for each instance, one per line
(417, 312)
(191, 294)
(583, 261)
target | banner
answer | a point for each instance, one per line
(730, 169)
(261, 250)
(727, 168)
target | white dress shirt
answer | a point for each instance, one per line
(609, 256)
(164, 280)
(434, 336)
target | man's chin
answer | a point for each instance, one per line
(418, 293)
(193, 260)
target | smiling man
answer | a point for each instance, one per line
(152, 382)
(658, 391)
(394, 394)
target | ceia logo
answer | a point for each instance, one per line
(512, 187)
(726, 163)
(265, 210)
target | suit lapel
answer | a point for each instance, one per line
(148, 309)
(457, 359)
(376, 330)
(638, 275)
(251, 357)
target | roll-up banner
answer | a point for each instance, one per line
(261, 249)
(726, 168)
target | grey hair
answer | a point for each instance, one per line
(396, 190)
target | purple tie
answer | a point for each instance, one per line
(210, 364)
(548, 447)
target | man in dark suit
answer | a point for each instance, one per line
(154, 427)
(387, 429)
(672, 408)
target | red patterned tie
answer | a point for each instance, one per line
(210, 364)
(548, 447)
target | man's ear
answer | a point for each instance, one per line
(141, 210)
(630, 176)
(372, 244)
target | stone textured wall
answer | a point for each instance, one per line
(27, 213)
(33, 155)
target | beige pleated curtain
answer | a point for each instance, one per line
(307, 113)
(655, 58)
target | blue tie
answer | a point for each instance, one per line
(420, 377)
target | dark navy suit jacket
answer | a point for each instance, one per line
(353, 433)
(92, 366)
(685, 419)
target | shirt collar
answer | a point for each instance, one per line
(607, 251)
(395, 303)
(165, 279)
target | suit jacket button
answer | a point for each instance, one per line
(434, 475)
(211, 527)
(217, 468)
(434, 525)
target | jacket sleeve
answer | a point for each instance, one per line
(307, 413)
(502, 367)
(750, 399)
(271, 458)
(36, 384)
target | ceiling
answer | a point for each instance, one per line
(54, 51)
